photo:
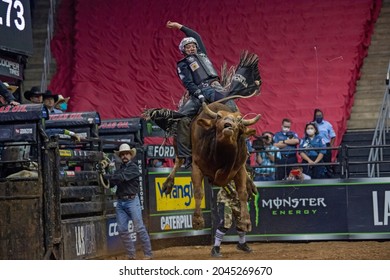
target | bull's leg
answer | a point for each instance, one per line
(169, 182)
(197, 177)
(244, 222)
(250, 186)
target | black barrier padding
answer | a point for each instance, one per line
(18, 133)
(318, 210)
(78, 119)
(120, 126)
(112, 142)
(23, 113)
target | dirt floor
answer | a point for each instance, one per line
(325, 250)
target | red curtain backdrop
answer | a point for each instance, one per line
(117, 57)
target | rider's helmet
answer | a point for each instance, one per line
(186, 41)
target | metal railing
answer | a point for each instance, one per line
(47, 57)
(349, 163)
(382, 127)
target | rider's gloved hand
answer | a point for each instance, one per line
(201, 98)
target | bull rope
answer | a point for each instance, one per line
(235, 97)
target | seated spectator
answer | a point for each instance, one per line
(312, 139)
(34, 95)
(6, 94)
(297, 174)
(155, 162)
(62, 103)
(287, 141)
(265, 158)
(49, 100)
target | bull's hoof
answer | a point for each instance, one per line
(197, 222)
(167, 186)
(245, 225)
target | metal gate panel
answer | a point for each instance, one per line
(21, 234)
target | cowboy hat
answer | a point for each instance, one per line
(49, 94)
(34, 91)
(10, 88)
(126, 148)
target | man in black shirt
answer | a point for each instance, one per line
(128, 207)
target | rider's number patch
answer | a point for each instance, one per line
(194, 66)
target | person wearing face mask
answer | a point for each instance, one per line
(62, 103)
(265, 158)
(312, 139)
(287, 141)
(327, 133)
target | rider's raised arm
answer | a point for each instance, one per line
(192, 33)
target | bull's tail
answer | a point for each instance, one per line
(246, 79)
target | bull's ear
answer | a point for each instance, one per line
(249, 132)
(206, 124)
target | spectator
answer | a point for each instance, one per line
(228, 208)
(287, 141)
(250, 151)
(128, 207)
(265, 158)
(49, 100)
(312, 139)
(297, 174)
(328, 134)
(6, 94)
(62, 103)
(34, 95)
(155, 162)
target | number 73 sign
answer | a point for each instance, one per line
(15, 26)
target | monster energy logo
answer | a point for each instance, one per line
(293, 202)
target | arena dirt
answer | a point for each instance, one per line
(324, 250)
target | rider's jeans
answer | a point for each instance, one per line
(130, 209)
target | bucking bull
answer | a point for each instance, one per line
(219, 151)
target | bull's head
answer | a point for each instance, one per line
(229, 125)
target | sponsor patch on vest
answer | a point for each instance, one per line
(194, 66)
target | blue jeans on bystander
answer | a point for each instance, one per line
(130, 209)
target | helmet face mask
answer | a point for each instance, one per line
(186, 41)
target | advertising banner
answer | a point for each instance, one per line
(114, 242)
(171, 215)
(160, 151)
(318, 210)
(11, 68)
(369, 209)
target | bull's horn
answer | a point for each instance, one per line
(208, 112)
(251, 121)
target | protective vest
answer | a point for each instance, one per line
(201, 67)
